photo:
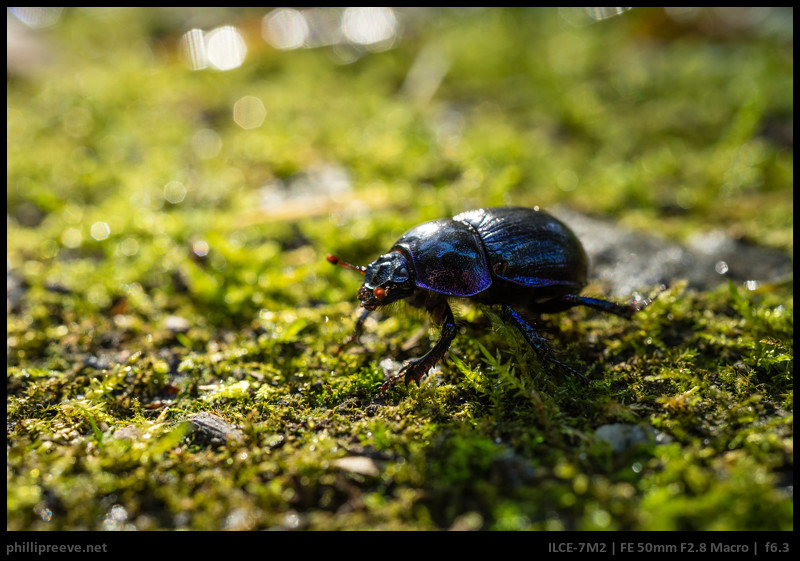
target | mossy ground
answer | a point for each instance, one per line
(201, 296)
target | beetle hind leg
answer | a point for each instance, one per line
(637, 304)
(536, 341)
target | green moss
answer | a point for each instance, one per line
(209, 290)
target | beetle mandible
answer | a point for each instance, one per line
(522, 259)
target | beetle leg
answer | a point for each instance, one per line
(637, 304)
(536, 341)
(624, 310)
(356, 332)
(416, 368)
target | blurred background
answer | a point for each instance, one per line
(176, 176)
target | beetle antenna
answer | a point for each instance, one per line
(333, 260)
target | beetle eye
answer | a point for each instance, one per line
(379, 293)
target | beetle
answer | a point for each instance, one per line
(522, 259)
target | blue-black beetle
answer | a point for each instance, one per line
(523, 259)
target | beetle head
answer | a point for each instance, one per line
(386, 280)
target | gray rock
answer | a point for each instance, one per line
(621, 436)
(627, 261)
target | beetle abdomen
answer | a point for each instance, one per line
(447, 257)
(530, 247)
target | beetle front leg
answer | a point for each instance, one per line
(536, 341)
(416, 368)
(356, 332)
